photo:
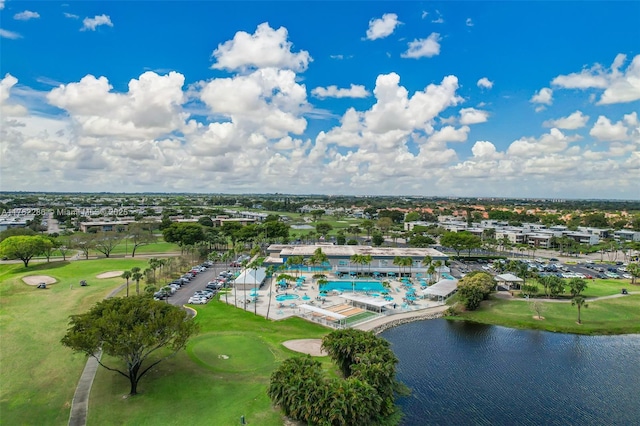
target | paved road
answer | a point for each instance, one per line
(80, 403)
(181, 297)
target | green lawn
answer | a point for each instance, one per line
(611, 316)
(38, 374)
(595, 288)
(223, 374)
(159, 247)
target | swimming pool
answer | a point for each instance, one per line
(349, 286)
(447, 276)
(283, 297)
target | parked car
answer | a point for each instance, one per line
(197, 300)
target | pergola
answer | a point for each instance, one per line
(508, 280)
(367, 301)
(323, 315)
(442, 289)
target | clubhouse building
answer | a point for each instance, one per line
(340, 259)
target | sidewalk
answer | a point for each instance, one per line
(80, 402)
(397, 319)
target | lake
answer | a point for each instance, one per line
(463, 373)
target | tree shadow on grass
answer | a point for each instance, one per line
(47, 265)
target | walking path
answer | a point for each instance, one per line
(402, 318)
(508, 296)
(80, 402)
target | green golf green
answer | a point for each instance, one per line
(231, 353)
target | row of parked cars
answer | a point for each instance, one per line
(183, 280)
(201, 297)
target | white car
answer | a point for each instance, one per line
(197, 301)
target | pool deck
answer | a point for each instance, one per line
(290, 308)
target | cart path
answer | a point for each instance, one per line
(588, 299)
(80, 402)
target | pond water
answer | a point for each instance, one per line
(471, 374)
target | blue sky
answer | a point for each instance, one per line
(505, 99)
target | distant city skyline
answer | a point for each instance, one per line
(507, 100)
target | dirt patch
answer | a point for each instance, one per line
(535, 317)
(37, 279)
(306, 346)
(110, 274)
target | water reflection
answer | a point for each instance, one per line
(464, 373)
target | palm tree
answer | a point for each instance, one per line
(398, 262)
(356, 259)
(136, 276)
(244, 283)
(580, 302)
(366, 260)
(438, 264)
(254, 266)
(431, 271)
(407, 261)
(154, 264)
(126, 275)
(270, 271)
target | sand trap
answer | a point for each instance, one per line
(110, 274)
(306, 346)
(37, 279)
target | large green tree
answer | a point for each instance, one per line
(140, 234)
(24, 247)
(184, 234)
(133, 330)
(459, 241)
(105, 242)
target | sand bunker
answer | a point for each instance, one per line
(110, 274)
(37, 279)
(306, 346)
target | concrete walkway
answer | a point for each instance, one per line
(80, 402)
(404, 317)
(507, 296)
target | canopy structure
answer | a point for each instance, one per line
(507, 280)
(441, 290)
(334, 315)
(324, 316)
(250, 278)
(366, 301)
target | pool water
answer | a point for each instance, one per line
(447, 276)
(349, 286)
(283, 297)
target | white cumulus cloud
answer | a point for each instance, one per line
(605, 130)
(473, 116)
(542, 97)
(70, 15)
(91, 24)
(26, 15)
(382, 27)
(355, 91)
(264, 48)
(426, 47)
(619, 86)
(150, 109)
(485, 83)
(469, 22)
(7, 107)
(574, 121)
